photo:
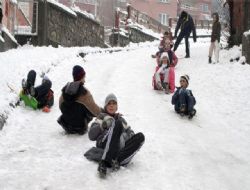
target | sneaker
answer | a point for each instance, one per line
(102, 169)
(209, 60)
(192, 114)
(115, 165)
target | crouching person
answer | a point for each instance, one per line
(42, 93)
(77, 104)
(115, 137)
(183, 99)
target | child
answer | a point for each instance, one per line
(77, 104)
(112, 134)
(215, 39)
(168, 59)
(183, 99)
(42, 93)
(165, 44)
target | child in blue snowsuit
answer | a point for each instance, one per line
(183, 99)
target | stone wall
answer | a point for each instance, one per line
(246, 47)
(57, 26)
(137, 35)
(134, 35)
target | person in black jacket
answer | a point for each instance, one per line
(186, 25)
(77, 104)
(215, 39)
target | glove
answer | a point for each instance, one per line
(107, 122)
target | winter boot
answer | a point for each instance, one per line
(191, 114)
(115, 165)
(209, 59)
(102, 169)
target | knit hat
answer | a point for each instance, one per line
(164, 54)
(186, 78)
(78, 72)
(109, 98)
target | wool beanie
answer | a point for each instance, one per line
(109, 98)
(186, 78)
(78, 72)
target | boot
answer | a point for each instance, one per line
(191, 114)
(102, 169)
(209, 59)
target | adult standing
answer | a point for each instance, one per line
(215, 39)
(186, 25)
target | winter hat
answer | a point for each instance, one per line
(185, 77)
(109, 98)
(78, 72)
(164, 54)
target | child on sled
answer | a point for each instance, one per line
(183, 99)
(42, 93)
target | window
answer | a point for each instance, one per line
(163, 18)
(163, 1)
(204, 8)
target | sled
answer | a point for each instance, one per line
(171, 79)
(28, 100)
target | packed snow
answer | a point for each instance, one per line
(209, 152)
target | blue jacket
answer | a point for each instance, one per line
(186, 25)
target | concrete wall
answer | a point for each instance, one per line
(58, 27)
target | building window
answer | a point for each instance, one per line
(163, 1)
(204, 8)
(163, 18)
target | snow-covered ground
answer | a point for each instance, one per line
(210, 152)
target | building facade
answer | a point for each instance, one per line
(161, 10)
(200, 10)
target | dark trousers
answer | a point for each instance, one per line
(185, 101)
(112, 149)
(178, 41)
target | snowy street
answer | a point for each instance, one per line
(209, 152)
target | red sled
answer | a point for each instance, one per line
(171, 79)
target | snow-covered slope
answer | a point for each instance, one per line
(210, 152)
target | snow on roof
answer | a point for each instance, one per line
(88, 15)
(145, 30)
(247, 33)
(13, 1)
(4, 29)
(67, 9)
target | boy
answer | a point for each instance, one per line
(183, 99)
(112, 134)
(77, 104)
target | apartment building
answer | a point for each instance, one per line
(160, 10)
(198, 9)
